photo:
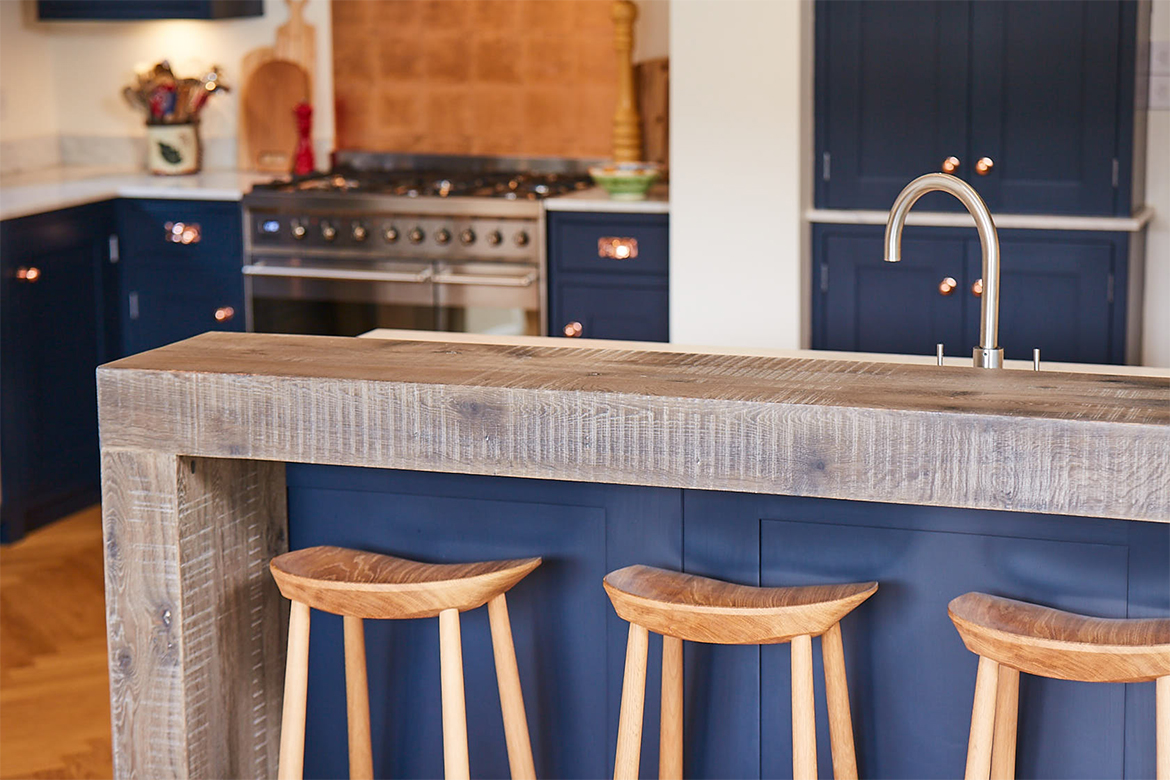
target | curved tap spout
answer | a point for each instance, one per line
(988, 354)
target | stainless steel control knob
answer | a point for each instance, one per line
(494, 238)
(467, 236)
(390, 234)
(359, 232)
(443, 236)
(328, 232)
(298, 230)
(416, 235)
(521, 238)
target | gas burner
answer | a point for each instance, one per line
(435, 184)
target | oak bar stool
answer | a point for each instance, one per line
(697, 609)
(359, 585)
(1014, 636)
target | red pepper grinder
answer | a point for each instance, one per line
(303, 159)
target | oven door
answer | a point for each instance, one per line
(492, 298)
(339, 298)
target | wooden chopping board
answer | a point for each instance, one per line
(652, 78)
(268, 122)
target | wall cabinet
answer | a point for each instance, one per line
(1063, 292)
(179, 284)
(1044, 90)
(56, 283)
(607, 290)
(60, 10)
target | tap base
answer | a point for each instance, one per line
(988, 357)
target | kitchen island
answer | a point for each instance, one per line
(1045, 486)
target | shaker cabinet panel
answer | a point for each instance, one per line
(607, 310)
(1044, 105)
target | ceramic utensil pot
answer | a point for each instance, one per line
(173, 150)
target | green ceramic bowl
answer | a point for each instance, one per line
(626, 181)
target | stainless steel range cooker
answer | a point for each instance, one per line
(451, 244)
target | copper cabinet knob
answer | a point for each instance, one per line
(224, 313)
(977, 288)
(984, 165)
(183, 232)
(950, 165)
(947, 285)
(574, 329)
(30, 274)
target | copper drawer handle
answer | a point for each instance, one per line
(183, 232)
(950, 165)
(947, 285)
(617, 248)
(984, 165)
(224, 313)
(574, 330)
(30, 274)
(977, 288)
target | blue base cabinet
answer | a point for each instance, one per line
(55, 333)
(911, 680)
(1063, 292)
(172, 291)
(610, 298)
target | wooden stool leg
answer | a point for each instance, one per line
(296, 681)
(1162, 727)
(357, 699)
(511, 696)
(982, 720)
(455, 764)
(804, 726)
(837, 693)
(629, 742)
(670, 740)
(1007, 705)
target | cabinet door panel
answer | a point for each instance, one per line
(891, 98)
(869, 305)
(1044, 104)
(573, 241)
(158, 313)
(1054, 295)
(612, 309)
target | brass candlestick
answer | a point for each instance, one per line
(627, 124)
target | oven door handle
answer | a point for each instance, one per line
(485, 280)
(337, 273)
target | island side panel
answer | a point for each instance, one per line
(195, 627)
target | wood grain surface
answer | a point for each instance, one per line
(1052, 643)
(1095, 446)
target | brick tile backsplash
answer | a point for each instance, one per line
(507, 77)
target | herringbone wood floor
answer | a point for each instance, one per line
(54, 685)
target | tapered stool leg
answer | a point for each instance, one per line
(837, 694)
(629, 741)
(670, 741)
(296, 681)
(804, 726)
(455, 763)
(357, 701)
(511, 696)
(1007, 705)
(982, 720)
(1162, 726)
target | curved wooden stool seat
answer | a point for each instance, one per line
(357, 585)
(698, 609)
(1014, 636)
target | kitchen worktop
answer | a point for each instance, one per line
(36, 192)
(596, 199)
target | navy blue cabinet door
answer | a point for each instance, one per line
(911, 680)
(172, 291)
(49, 10)
(570, 644)
(864, 304)
(54, 336)
(1045, 105)
(609, 309)
(1057, 293)
(891, 98)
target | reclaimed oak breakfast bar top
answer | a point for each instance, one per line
(1059, 443)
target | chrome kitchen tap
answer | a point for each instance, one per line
(988, 354)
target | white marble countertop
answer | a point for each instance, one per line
(649, 346)
(37, 192)
(597, 199)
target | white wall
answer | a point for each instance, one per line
(90, 63)
(1156, 341)
(739, 111)
(28, 112)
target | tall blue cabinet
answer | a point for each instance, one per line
(1029, 101)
